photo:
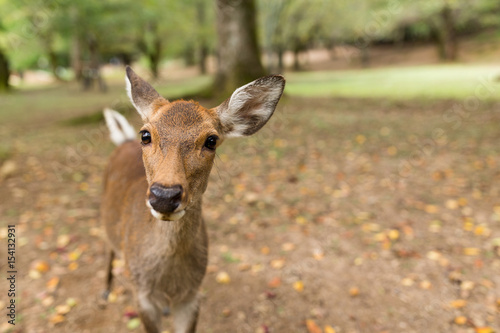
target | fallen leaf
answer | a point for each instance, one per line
(112, 297)
(451, 204)
(425, 284)
(329, 329)
(393, 234)
(265, 250)
(52, 284)
(431, 209)
(277, 263)
(298, 286)
(458, 303)
(407, 282)
(71, 301)
(47, 301)
(318, 254)
(73, 266)
(8, 168)
(63, 240)
(484, 330)
(56, 319)
(467, 285)
(312, 327)
(460, 320)
(223, 278)
(472, 251)
(244, 267)
(133, 323)
(275, 282)
(288, 247)
(360, 139)
(41, 266)
(62, 309)
(354, 291)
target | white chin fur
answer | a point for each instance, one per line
(171, 217)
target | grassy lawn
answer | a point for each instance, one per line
(430, 82)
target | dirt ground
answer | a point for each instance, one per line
(341, 215)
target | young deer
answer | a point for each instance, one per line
(151, 207)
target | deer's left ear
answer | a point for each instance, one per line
(250, 107)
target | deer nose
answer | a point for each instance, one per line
(165, 199)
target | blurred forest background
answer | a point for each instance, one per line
(72, 40)
(369, 203)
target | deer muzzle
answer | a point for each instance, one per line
(166, 201)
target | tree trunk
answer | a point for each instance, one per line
(450, 40)
(296, 60)
(54, 64)
(93, 73)
(154, 57)
(202, 42)
(237, 47)
(76, 57)
(281, 64)
(4, 72)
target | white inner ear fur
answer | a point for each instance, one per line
(265, 97)
(143, 111)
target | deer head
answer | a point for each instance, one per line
(179, 138)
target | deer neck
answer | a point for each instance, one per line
(178, 236)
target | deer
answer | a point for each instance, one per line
(151, 207)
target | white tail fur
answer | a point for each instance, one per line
(120, 129)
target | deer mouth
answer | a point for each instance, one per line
(174, 216)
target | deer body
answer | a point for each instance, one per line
(151, 208)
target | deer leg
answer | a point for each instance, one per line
(186, 316)
(109, 275)
(150, 315)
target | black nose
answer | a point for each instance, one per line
(165, 199)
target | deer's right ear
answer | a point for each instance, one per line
(250, 106)
(142, 95)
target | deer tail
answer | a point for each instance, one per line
(119, 128)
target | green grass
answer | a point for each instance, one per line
(67, 100)
(457, 81)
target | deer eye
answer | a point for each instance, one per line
(145, 137)
(211, 142)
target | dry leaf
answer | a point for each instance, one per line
(223, 278)
(472, 251)
(458, 303)
(52, 283)
(62, 309)
(312, 327)
(298, 286)
(41, 266)
(277, 263)
(244, 267)
(329, 329)
(265, 250)
(73, 266)
(407, 282)
(354, 291)
(318, 254)
(275, 282)
(56, 319)
(431, 209)
(426, 285)
(460, 320)
(484, 330)
(288, 247)
(393, 234)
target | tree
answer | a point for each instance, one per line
(238, 52)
